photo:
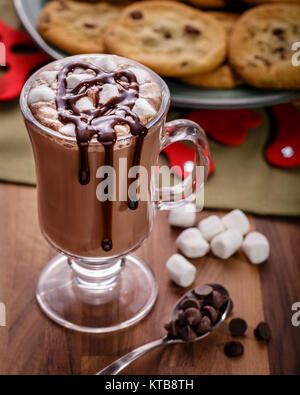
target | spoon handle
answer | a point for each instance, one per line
(121, 363)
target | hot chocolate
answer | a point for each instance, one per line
(98, 108)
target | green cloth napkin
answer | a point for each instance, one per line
(242, 178)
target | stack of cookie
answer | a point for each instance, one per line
(212, 49)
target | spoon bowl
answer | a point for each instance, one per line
(224, 311)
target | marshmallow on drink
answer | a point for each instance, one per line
(256, 247)
(211, 227)
(237, 220)
(75, 78)
(226, 243)
(192, 244)
(184, 216)
(40, 93)
(180, 270)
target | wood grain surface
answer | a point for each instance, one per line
(32, 344)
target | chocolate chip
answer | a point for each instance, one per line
(186, 333)
(190, 302)
(181, 319)
(237, 327)
(136, 15)
(89, 25)
(204, 326)
(233, 349)
(47, 19)
(263, 332)
(192, 315)
(219, 299)
(171, 328)
(211, 313)
(203, 291)
(190, 29)
(279, 33)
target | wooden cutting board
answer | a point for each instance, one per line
(32, 344)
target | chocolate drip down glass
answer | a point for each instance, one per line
(85, 287)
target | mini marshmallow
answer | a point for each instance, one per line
(256, 247)
(192, 244)
(226, 243)
(180, 270)
(148, 90)
(75, 78)
(68, 129)
(106, 63)
(184, 216)
(49, 76)
(142, 76)
(122, 130)
(41, 93)
(85, 103)
(142, 108)
(108, 92)
(237, 220)
(211, 227)
(78, 70)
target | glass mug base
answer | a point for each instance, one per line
(96, 299)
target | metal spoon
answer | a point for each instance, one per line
(121, 363)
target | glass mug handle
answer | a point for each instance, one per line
(186, 191)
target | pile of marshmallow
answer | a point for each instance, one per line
(223, 236)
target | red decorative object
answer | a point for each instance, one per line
(18, 65)
(227, 127)
(284, 151)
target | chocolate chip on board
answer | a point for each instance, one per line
(237, 327)
(233, 349)
(263, 332)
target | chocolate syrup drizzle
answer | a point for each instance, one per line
(101, 121)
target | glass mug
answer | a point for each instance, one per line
(85, 288)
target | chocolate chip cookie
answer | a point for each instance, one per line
(223, 77)
(171, 38)
(76, 27)
(260, 47)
